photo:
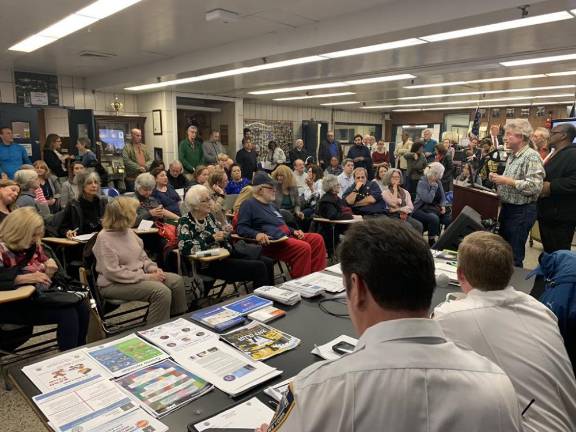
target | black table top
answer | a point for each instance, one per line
(304, 320)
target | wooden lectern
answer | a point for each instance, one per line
(484, 202)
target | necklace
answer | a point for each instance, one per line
(200, 226)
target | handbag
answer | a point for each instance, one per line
(167, 232)
(242, 249)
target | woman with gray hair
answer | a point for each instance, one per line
(430, 204)
(84, 214)
(199, 230)
(150, 208)
(28, 181)
(332, 207)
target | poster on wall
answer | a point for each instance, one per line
(264, 131)
(33, 89)
(21, 130)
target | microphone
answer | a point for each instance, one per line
(442, 280)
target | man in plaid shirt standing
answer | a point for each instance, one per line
(519, 187)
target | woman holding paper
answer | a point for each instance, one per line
(124, 270)
(199, 230)
(24, 262)
(84, 215)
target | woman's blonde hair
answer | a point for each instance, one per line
(41, 164)
(245, 193)
(285, 172)
(18, 228)
(120, 214)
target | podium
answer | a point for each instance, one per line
(484, 202)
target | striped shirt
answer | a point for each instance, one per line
(527, 170)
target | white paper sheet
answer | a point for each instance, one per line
(84, 405)
(226, 368)
(177, 335)
(83, 238)
(135, 421)
(335, 269)
(317, 281)
(248, 415)
(145, 225)
(62, 370)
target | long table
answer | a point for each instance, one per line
(304, 320)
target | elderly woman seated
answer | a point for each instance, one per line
(164, 192)
(398, 199)
(24, 262)
(364, 198)
(259, 219)
(28, 181)
(150, 208)
(9, 191)
(124, 270)
(430, 204)
(332, 207)
(84, 215)
(199, 230)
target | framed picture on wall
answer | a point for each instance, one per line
(509, 112)
(158, 153)
(525, 112)
(495, 112)
(21, 129)
(157, 122)
(540, 111)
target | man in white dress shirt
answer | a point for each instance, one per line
(346, 179)
(403, 375)
(514, 330)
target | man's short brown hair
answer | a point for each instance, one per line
(486, 260)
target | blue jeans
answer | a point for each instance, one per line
(515, 224)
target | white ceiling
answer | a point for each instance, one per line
(171, 39)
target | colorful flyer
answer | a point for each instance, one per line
(164, 387)
(125, 355)
(176, 335)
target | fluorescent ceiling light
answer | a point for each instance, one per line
(504, 25)
(340, 103)
(284, 63)
(315, 96)
(549, 59)
(72, 23)
(513, 78)
(66, 26)
(531, 104)
(380, 79)
(32, 43)
(517, 90)
(374, 48)
(567, 73)
(299, 88)
(468, 101)
(446, 84)
(334, 84)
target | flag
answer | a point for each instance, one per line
(476, 123)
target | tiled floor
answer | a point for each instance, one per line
(17, 416)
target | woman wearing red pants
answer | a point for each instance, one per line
(258, 218)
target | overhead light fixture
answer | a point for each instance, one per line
(566, 73)
(72, 23)
(380, 79)
(227, 73)
(512, 78)
(340, 103)
(549, 59)
(496, 27)
(315, 96)
(374, 48)
(517, 90)
(446, 84)
(299, 88)
(334, 84)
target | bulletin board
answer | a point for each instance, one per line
(264, 131)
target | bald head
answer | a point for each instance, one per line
(136, 136)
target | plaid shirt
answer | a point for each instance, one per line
(526, 168)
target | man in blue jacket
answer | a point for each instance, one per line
(259, 219)
(12, 155)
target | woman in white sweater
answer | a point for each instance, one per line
(125, 271)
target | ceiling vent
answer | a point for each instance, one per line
(98, 54)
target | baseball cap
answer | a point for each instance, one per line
(261, 178)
